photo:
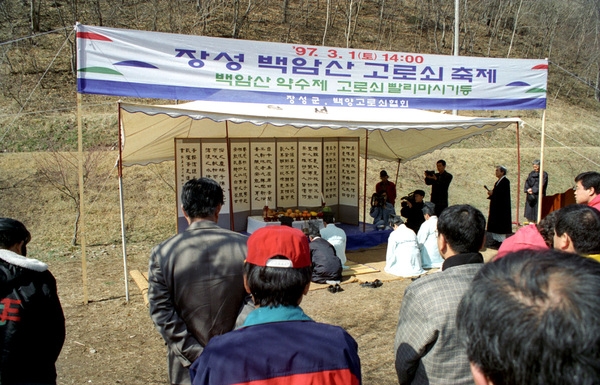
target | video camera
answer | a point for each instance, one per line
(408, 198)
(429, 173)
(377, 200)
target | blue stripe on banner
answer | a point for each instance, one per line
(139, 90)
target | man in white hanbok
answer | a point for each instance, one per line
(427, 239)
(403, 257)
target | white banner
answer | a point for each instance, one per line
(182, 67)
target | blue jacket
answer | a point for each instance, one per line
(279, 345)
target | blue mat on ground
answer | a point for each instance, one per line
(357, 239)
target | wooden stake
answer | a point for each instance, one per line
(81, 201)
(541, 178)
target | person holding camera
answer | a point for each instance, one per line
(412, 206)
(439, 182)
(381, 210)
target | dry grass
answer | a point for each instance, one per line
(112, 341)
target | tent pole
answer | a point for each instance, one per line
(231, 220)
(122, 202)
(541, 178)
(81, 200)
(365, 182)
(397, 171)
(518, 174)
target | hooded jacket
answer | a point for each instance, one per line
(32, 323)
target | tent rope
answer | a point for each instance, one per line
(587, 83)
(564, 145)
(102, 187)
(11, 124)
(57, 109)
(32, 36)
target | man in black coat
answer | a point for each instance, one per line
(440, 183)
(499, 218)
(532, 189)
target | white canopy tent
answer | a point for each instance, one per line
(394, 134)
(147, 132)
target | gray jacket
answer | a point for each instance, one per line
(195, 290)
(428, 350)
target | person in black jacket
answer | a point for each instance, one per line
(499, 218)
(532, 189)
(440, 183)
(32, 323)
(327, 267)
(412, 210)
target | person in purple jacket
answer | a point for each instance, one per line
(278, 342)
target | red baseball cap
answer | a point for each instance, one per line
(270, 241)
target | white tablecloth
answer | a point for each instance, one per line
(256, 222)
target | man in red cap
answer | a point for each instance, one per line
(278, 342)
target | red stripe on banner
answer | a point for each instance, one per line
(92, 36)
(540, 67)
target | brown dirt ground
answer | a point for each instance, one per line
(112, 341)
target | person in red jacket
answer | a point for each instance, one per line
(587, 189)
(385, 186)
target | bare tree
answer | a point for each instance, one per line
(240, 18)
(327, 16)
(60, 171)
(284, 8)
(34, 15)
(350, 29)
(514, 28)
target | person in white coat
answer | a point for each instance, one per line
(336, 236)
(403, 257)
(427, 239)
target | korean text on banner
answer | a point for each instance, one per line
(169, 66)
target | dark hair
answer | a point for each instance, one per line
(442, 161)
(582, 224)
(429, 209)
(13, 232)
(276, 286)
(201, 197)
(395, 220)
(546, 228)
(589, 179)
(532, 318)
(502, 169)
(463, 226)
(313, 228)
(328, 217)
(420, 192)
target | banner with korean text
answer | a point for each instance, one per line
(182, 67)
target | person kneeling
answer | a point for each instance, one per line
(327, 267)
(402, 257)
